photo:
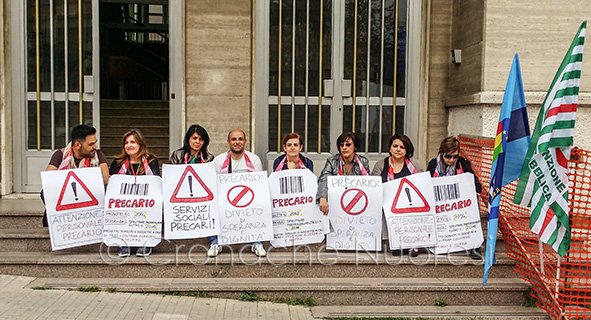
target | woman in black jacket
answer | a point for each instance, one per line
(448, 163)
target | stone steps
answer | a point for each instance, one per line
(484, 312)
(341, 283)
(150, 117)
(245, 264)
(324, 291)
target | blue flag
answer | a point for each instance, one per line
(511, 144)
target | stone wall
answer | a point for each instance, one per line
(438, 59)
(5, 112)
(541, 33)
(219, 67)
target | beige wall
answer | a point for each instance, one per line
(541, 32)
(438, 73)
(219, 67)
(5, 112)
(467, 34)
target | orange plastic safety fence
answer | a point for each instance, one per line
(561, 286)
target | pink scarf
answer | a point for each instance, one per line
(227, 165)
(282, 163)
(408, 164)
(69, 163)
(342, 163)
(126, 164)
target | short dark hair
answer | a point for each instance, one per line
(80, 132)
(345, 136)
(292, 135)
(449, 144)
(201, 132)
(410, 149)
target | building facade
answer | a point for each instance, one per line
(320, 68)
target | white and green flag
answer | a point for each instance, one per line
(543, 183)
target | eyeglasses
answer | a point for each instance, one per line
(450, 156)
(346, 144)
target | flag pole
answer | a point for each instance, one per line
(557, 276)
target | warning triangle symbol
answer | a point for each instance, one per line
(188, 191)
(411, 200)
(75, 194)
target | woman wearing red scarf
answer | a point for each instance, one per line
(135, 159)
(449, 163)
(398, 165)
(345, 163)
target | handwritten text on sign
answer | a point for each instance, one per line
(245, 208)
(457, 212)
(354, 204)
(296, 217)
(74, 203)
(409, 211)
(133, 211)
(190, 201)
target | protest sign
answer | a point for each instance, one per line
(297, 218)
(354, 204)
(244, 206)
(133, 211)
(457, 213)
(190, 201)
(409, 211)
(74, 201)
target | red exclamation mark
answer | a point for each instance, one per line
(74, 189)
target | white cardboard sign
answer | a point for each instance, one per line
(354, 209)
(297, 218)
(190, 201)
(133, 211)
(245, 208)
(74, 201)
(457, 213)
(409, 212)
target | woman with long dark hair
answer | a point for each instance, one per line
(134, 159)
(194, 149)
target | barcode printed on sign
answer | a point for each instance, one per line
(134, 189)
(446, 192)
(291, 185)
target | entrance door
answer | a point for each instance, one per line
(56, 85)
(332, 66)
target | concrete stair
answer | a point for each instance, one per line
(150, 117)
(342, 284)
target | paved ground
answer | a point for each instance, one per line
(18, 302)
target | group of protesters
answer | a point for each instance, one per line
(135, 159)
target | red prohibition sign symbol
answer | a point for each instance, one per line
(358, 194)
(243, 191)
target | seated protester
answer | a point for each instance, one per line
(236, 160)
(194, 149)
(448, 163)
(345, 163)
(292, 158)
(81, 152)
(134, 159)
(398, 165)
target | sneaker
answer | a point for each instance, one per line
(143, 251)
(413, 252)
(214, 250)
(258, 250)
(123, 252)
